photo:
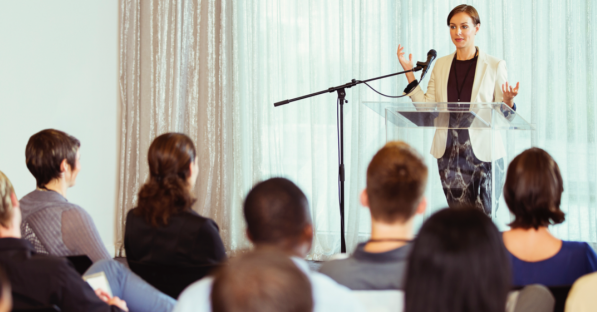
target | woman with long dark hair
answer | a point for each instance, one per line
(458, 264)
(163, 229)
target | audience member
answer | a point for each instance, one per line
(396, 179)
(261, 281)
(582, 295)
(532, 192)
(5, 292)
(458, 263)
(277, 216)
(163, 229)
(52, 224)
(45, 280)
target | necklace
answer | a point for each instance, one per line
(459, 89)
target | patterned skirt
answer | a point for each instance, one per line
(465, 179)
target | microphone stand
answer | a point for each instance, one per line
(340, 126)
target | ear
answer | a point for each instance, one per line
(64, 166)
(308, 232)
(422, 206)
(365, 198)
(13, 199)
(477, 27)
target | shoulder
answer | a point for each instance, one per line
(324, 284)
(131, 215)
(589, 281)
(39, 200)
(329, 295)
(576, 246)
(75, 211)
(49, 265)
(493, 61)
(445, 60)
(203, 223)
(27, 199)
(580, 250)
(337, 267)
(582, 294)
(196, 297)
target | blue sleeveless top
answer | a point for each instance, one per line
(574, 260)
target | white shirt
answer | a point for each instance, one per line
(327, 294)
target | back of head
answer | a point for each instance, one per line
(45, 152)
(276, 211)
(6, 208)
(458, 264)
(396, 179)
(167, 191)
(533, 190)
(261, 281)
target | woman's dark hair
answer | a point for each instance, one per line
(458, 264)
(167, 191)
(468, 9)
(533, 190)
(45, 152)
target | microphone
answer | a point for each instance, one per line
(431, 55)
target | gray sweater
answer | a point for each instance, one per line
(56, 227)
(370, 271)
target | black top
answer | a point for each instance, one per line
(188, 240)
(459, 70)
(42, 280)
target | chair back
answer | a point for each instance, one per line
(560, 293)
(381, 300)
(170, 280)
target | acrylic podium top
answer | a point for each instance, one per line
(448, 115)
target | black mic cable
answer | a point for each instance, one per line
(431, 55)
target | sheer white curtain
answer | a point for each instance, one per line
(176, 76)
(287, 48)
(213, 69)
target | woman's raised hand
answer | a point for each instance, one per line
(407, 64)
(509, 93)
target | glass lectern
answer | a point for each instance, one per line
(467, 147)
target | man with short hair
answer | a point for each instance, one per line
(396, 179)
(283, 287)
(278, 217)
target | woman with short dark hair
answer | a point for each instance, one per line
(163, 229)
(51, 223)
(458, 263)
(533, 191)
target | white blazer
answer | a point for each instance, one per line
(490, 74)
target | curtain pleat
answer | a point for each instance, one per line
(175, 60)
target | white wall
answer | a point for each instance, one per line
(58, 69)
